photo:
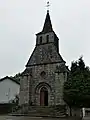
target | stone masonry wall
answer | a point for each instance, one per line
(54, 83)
(24, 90)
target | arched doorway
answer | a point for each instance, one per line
(44, 96)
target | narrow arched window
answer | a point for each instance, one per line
(47, 38)
(41, 40)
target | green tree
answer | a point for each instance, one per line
(77, 88)
(17, 77)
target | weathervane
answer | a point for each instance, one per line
(48, 5)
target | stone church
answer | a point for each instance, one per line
(43, 79)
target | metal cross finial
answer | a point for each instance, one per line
(48, 4)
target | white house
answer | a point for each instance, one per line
(8, 89)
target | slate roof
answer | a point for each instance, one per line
(47, 25)
(44, 54)
(27, 71)
(47, 53)
(2, 79)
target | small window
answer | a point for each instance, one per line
(43, 74)
(47, 37)
(41, 40)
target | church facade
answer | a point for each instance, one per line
(43, 79)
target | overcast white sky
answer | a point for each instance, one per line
(20, 20)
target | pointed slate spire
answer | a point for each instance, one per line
(47, 25)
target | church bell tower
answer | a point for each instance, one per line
(47, 35)
(43, 79)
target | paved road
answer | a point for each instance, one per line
(18, 118)
(29, 118)
(34, 118)
(86, 118)
(25, 118)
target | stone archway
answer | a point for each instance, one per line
(44, 96)
(43, 91)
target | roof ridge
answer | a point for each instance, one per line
(11, 78)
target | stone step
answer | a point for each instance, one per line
(46, 111)
(37, 111)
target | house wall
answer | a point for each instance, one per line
(8, 90)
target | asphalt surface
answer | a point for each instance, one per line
(31, 118)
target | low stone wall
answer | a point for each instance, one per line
(6, 108)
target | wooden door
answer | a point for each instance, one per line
(44, 97)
